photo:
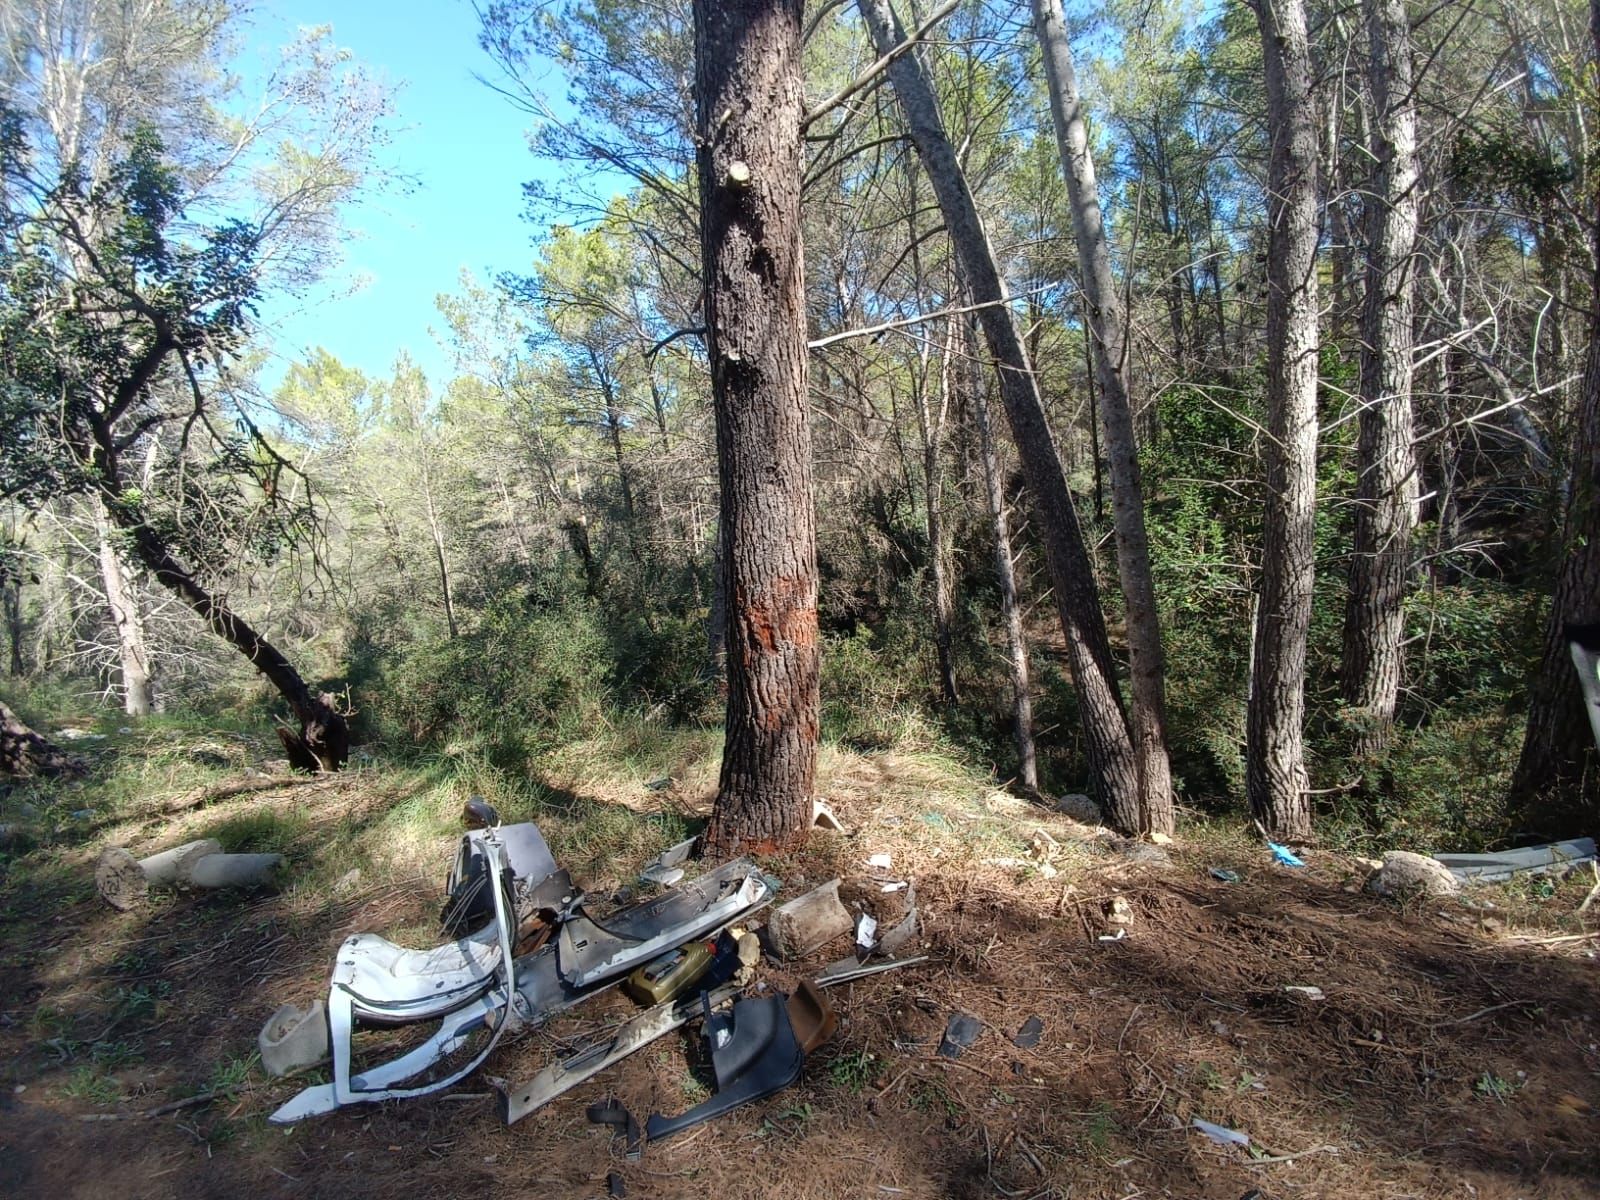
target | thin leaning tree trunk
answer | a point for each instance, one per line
(1010, 610)
(1147, 663)
(1386, 485)
(1557, 781)
(930, 425)
(749, 100)
(1275, 767)
(323, 743)
(1112, 764)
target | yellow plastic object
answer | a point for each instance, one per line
(669, 976)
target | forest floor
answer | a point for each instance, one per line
(1456, 1051)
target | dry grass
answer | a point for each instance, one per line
(1453, 1054)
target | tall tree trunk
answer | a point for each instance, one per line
(122, 598)
(436, 535)
(1112, 763)
(1010, 610)
(749, 98)
(1557, 781)
(11, 598)
(1103, 309)
(1386, 484)
(1275, 768)
(930, 425)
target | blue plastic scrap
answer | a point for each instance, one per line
(1284, 855)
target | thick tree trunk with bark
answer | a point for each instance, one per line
(1556, 785)
(749, 100)
(1010, 610)
(1112, 762)
(1275, 769)
(122, 598)
(1386, 486)
(1108, 336)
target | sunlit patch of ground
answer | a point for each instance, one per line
(1454, 1050)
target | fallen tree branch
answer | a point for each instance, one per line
(1484, 1012)
(239, 787)
(162, 1110)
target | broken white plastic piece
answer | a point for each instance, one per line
(881, 861)
(866, 932)
(1309, 993)
(294, 1038)
(1220, 1134)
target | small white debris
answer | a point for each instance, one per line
(880, 861)
(1220, 1134)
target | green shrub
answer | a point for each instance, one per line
(522, 679)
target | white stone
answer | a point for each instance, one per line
(1405, 873)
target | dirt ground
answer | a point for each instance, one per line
(1447, 1058)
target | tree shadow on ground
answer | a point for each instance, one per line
(1439, 1062)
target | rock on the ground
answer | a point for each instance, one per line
(1080, 808)
(1404, 873)
(1143, 852)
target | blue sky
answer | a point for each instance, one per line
(466, 148)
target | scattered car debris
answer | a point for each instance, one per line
(904, 930)
(1225, 875)
(846, 970)
(294, 1038)
(476, 984)
(866, 933)
(1550, 858)
(666, 868)
(1145, 853)
(565, 1074)
(754, 1053)
(1030, 1033)
(811, 1016)
(1284, 855)
(880, 862)
(1220, 1134)
(960, 1032)
(615, 1188)
(612, 1113)
(808, 922)
(823, 817)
